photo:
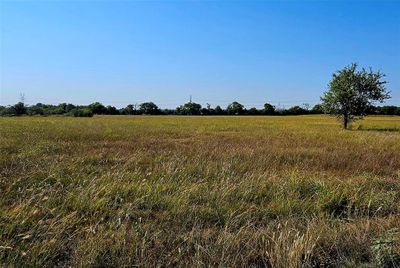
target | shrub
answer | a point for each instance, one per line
(383, 250)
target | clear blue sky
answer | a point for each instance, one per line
(253, 52)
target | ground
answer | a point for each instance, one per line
(294, 191)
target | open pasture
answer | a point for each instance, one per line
(294, 191)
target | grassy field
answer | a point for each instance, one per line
(199, 191)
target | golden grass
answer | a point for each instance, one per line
(294, 191)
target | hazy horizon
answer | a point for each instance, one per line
(119, 53)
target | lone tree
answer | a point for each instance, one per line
(351, 93)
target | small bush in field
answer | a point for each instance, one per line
(384, 250)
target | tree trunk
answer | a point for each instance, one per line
(345, 121)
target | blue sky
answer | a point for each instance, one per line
(217, 51)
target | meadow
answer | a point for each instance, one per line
(181, 191)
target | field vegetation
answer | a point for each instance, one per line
(266, 191)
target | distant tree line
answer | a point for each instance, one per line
(150, 108)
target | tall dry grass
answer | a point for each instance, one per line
(199, 191)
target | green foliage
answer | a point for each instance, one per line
(129, 110)
(82, 112)
(7, 111)
(148, 108)
(317, 109)
(269, 109)
(218, 110)
(351, 93)
(111, 110)
(66, 107)
(388, 110)
(235, 108)
(296, 110)
(46, 109)
(97, 108)
(35, 110)
(190, 108)
(253, 111)
(383, 250)
(20, 108)
(17, 109)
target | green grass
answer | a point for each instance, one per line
(294, 191)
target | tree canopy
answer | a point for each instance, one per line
(235, 108)
(269, 109)
(352, 93)
(149, 108)
(190, 108)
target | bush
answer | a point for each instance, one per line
(384, 252)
